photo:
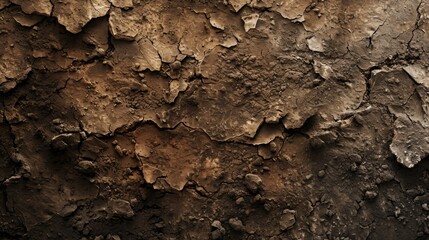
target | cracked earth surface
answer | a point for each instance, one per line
(238, 119)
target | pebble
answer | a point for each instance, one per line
(218, 230)
(68, 210)
(236, 224)
(113, 237)
(217, 224)
(371, 194)
(273, 147)
(239, 201)
(120, 208)
(253, 182)
(355, 158)
(87, 166)
(119, 151)
(321, 173)
(353, 167)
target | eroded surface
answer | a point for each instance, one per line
(237, 119)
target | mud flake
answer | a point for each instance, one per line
(42, 7)
(26, 20)
(410, 143)
(121, 25)
(287, 219)
(176, 86)
(418, 74)
(216, 23)
(149, 57)
(122, 3)
(17, 69)
(290, 9)
(324, 70)
(229, 42)
(75, 15)
(238, 4)
(315, 44)
(250, 21)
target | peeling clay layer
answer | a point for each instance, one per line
(233, 119)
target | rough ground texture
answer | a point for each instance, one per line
(239, 119)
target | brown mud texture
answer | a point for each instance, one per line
(214, 119)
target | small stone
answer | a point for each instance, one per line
(83, 135)
(64, 141)
(353, 167)
(273, 147)
(355, 158)
(378, 181)
(386, 176)
(412, 192)
(321, 173)
(287, 220)
(257, 198)
(86, 166)
(425, 206)
(68, 210)
(397, 212)
(371, 194)
(268, 207)
(236, 224)
(59, 145)
(422, 198)
(113, 237)
(217, 224)
(120, 208)
(239, 201)
(160, 225)
(119, 151)
(252, 182)
(218, 230)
